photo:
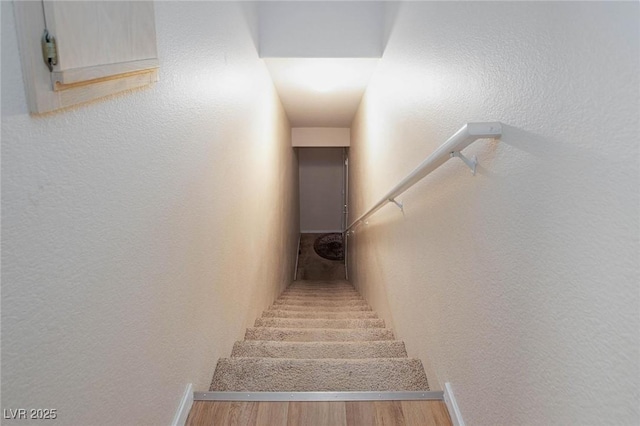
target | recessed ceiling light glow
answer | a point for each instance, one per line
(323, 74)
(321, 92)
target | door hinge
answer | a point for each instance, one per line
(49, 50)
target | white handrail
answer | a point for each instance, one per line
(468, 134)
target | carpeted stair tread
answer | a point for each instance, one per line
(294, 299)
(285, 374)
(306, 302)
(317, 334)
(311, 350)
(319, 287)
(317, 293)
(318, 323)
(320, 296)
(319, 314)
(319, 299)
(322, 308)
(320, 282)
(313, 291)
(341, 290)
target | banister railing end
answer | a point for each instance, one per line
(491, 129)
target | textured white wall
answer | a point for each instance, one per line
(519, 285)
(142, 233)
(321, 189)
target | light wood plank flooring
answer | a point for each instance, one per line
(339, 413)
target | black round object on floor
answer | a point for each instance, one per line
(329, 246)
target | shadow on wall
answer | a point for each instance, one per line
(390, 15)
(251, 17)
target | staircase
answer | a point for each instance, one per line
(319, 336)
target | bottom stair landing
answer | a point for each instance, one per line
(335, 413)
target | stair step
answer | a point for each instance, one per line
(317, 334)
(321, 282)
(316, 296)
(310, 350)
(304, 302)
(317, 375)
(318, 323)
(318, 299)
(319, 314)
(322, 308)
(322, 287)
(333, 291)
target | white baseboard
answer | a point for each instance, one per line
(452, 405)
(181, 415)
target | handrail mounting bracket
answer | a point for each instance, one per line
(467, 134)
(397, 203)
(471, 163)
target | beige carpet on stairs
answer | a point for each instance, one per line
(319, 336)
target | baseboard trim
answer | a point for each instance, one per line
(452, 405)
(316, 231)
(318, 396)
(180, 418)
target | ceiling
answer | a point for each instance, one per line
(321, 56)
(321, 92)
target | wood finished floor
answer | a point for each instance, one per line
(339, 413)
